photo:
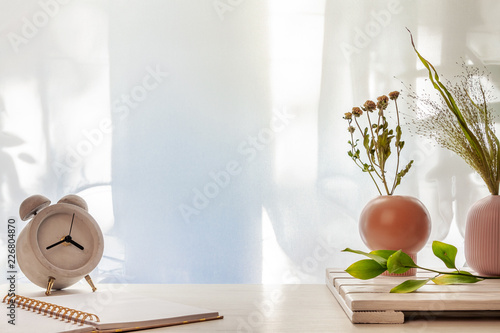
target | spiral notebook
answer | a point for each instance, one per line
(102, 312)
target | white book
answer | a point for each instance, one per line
(102, 311)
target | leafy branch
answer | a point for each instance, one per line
(398, 262)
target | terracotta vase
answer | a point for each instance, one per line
(482, 236)
(393, 222)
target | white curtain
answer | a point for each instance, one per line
(207, 135)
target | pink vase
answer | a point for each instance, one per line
(482, 236)
(393, 222)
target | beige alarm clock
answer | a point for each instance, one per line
(61, 244)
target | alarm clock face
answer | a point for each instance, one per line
(67, 238)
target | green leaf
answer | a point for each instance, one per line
(385, 124)
(380, 258)
(455, 279)
(409, 286)
(383, 253)
(445, 252)
(399, 263)
(365, 269)
(367, 167)
(398, 134)
(387, 153)
(403, 172)
(366, 138)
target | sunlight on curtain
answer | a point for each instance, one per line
(191, 138)
(207, 135)
(54, 89)
(296, 39)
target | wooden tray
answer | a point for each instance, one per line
(369, 301)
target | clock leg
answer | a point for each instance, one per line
(89, 280)
(50, 283)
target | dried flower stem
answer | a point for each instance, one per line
(357, 161)
(398, 148)
(462, 122)
(377, 139)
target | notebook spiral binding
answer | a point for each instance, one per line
(57, 311)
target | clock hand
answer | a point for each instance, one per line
(69, 239)
(66, 239)
(51, 246)
(71, 227)
(76, 244)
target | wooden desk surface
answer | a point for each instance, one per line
(283, 308)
